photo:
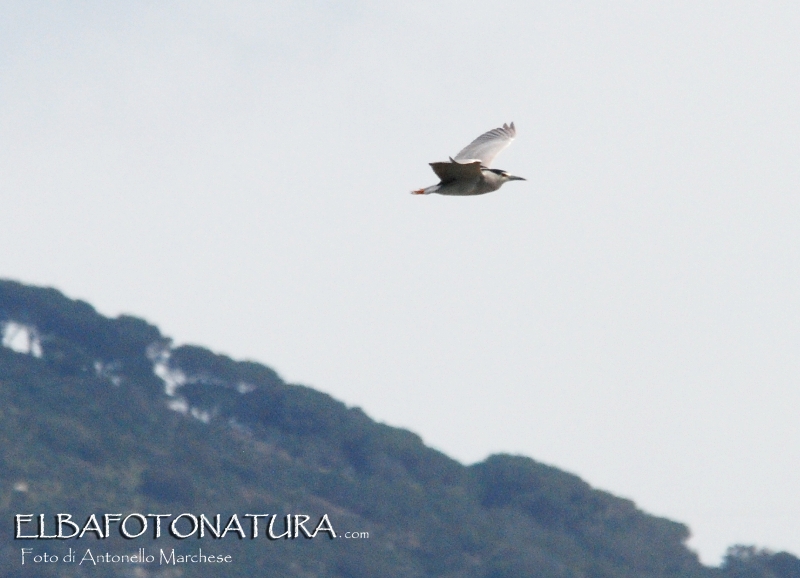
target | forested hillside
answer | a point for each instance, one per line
(105, 416)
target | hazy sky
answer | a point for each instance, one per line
(238, 173)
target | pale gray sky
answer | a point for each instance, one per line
(238, 173)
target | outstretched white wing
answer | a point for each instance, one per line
(485, 147)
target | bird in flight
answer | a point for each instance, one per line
(469, 172)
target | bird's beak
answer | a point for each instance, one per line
(513, 178)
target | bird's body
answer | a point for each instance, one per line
(469, 173)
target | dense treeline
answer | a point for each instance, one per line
(88, 428)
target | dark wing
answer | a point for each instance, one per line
(454, 171)
(485, 147)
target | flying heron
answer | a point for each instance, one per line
(469, 172)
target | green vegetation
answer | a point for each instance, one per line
(87, 428)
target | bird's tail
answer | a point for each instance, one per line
(426, 191)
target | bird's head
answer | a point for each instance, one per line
(503, 176)
(507, 177)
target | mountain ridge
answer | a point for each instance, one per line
(106, 415)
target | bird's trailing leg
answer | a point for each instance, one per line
(426, 191)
